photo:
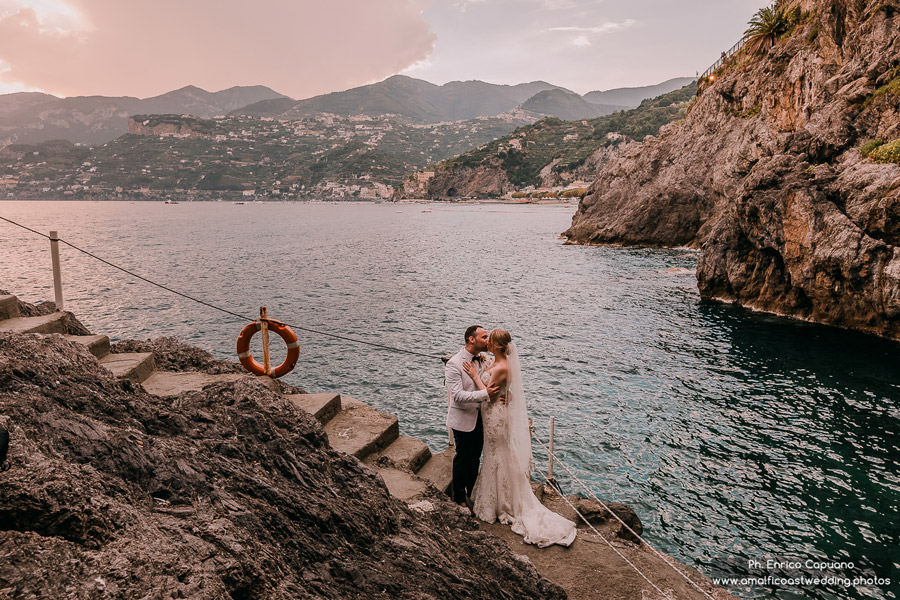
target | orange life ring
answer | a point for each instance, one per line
(289, 337)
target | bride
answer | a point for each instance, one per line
(503, 488)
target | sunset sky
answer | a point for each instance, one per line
(307, 47)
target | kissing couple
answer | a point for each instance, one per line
(487, 412)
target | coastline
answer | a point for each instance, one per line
(82, 367)
(229, 197)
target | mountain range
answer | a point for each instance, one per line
(633, 96)
(567, 106)
(329, 156)
(421, 102)
(32, 117)
(29, 117)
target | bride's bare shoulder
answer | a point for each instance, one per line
(500, 369)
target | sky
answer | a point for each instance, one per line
(302, 48)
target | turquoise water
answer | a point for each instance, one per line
(735, 436)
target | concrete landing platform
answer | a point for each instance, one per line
(590, 570)
(9, 307)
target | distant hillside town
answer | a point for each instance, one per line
(359, 144)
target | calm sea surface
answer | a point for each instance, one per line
(735, 436)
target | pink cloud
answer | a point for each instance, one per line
(297, 47)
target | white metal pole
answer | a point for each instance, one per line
(57, 274)
(552, 431)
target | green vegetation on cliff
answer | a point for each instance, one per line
(771, 24)
(527, 150)
(892, 87)
(881, 151)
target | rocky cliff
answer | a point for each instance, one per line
(784, 172)
(486, 179)
(552, 152)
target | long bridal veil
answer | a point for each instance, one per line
(529, 518)
(519, 432)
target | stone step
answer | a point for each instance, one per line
(322, 406)
(406, 452)
(402, 485)
(52, 323)
(9, 307)
(134, 366)
(98, 345)
(163, 383)
(439, 470)
(361, 430)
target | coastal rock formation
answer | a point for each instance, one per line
(230, 492)
(593, 511)
(488, 179)
(647, 196)
(775, 173)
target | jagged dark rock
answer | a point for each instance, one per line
(4, 447)
(596, 514)
(230, 492)
(766, 175)
(171, 354)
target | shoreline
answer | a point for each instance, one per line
(558, 566)
(253, 200)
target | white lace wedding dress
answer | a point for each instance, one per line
(503, 489)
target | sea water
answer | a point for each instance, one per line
(739, 438)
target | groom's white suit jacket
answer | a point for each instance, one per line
(464, 397)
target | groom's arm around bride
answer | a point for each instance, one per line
(464, 396)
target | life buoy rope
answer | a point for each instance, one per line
(289, 337)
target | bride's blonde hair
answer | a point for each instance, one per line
(500, 338)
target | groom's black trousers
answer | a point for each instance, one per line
(465, 464)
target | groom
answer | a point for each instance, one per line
(464, 414)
